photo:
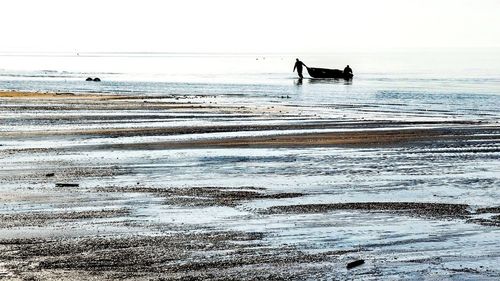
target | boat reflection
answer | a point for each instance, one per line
(329, 81)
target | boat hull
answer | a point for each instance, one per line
(328, 73)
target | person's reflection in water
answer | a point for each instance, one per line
(298, 82)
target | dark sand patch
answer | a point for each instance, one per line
(213, 255)
(64, 171)
(434, 210)
(427, 210)
(491, 221)
(45, 218)
(205, 196)
(167, 131)
(361, 137)
(488, 210)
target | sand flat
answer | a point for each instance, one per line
(203, 187)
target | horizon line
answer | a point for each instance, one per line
(212, 53)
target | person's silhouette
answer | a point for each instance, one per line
(298, 65)
(347, 70)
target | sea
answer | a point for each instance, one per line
(455, 83)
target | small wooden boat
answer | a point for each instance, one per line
(328, 73)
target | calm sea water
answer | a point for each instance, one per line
(457, 83)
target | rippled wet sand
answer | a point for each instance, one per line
(172, 187)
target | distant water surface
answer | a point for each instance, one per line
(458, 83)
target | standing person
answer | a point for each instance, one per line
(298, 65)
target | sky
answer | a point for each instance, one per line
(238, 26)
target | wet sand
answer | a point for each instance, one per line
(201, 188)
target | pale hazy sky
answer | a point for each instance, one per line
(246, 26)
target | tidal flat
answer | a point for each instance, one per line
(204, 187)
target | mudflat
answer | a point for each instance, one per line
(104, 186)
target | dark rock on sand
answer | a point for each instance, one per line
(355, 263)
(89, 79)
(97, 79)
(50, 175)
(60, 184)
